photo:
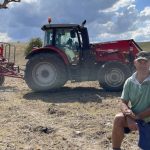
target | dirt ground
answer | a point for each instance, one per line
(79, 116)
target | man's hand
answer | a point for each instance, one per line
(132, 125)
(128, 112)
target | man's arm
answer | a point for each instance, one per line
(143, 114)
(124, 106)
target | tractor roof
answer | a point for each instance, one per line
(50, 26)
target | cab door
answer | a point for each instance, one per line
(68, 41)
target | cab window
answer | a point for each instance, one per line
(67, 40)
(48, 37)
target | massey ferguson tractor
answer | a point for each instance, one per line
(68, 55)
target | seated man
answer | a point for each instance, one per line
(71, 51)
(70, 54)
(136, 91)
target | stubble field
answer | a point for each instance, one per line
(79, 116)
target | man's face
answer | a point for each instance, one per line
(142, 65)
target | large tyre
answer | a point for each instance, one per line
(112, 75)
(44, 72)
(2, 79)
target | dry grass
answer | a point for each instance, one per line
(145, 45)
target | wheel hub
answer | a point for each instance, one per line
(44, 74)
(115, 77)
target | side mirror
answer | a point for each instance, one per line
(72, 34)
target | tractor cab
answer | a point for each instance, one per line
(72, 39)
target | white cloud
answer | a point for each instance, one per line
(145, 12)
(4, 37)
(103, 37)
(122, 20)
(118, 5)
(106, 19)
(29, 1)
(142, 34)
(123, 3)
(138, 34)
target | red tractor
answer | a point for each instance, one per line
(68, 55)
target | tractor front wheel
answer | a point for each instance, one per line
(2, 79)
(44, 72)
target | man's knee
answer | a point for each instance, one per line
(119, 120)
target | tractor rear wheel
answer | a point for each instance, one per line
(112, 75)
(2, 79)
(44, 72)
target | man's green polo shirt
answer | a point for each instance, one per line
(138, 94)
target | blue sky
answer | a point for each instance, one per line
(107, 20)
(140, 4)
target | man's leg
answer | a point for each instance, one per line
(118, 130)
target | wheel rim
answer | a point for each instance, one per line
(114, 77)
(44, 74)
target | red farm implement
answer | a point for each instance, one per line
(7, 62)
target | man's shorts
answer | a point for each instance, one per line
(144, 135)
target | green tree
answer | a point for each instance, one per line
(34, 42)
